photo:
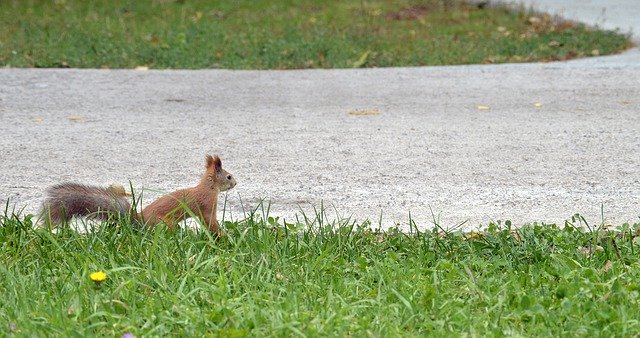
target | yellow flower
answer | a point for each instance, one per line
(98, 276)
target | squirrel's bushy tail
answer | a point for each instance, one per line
(66, 200)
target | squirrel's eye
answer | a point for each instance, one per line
(228, 177)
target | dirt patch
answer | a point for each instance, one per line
(409, 13)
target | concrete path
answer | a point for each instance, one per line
(623, 15)
(462, 144)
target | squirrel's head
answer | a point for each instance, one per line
(216, 177)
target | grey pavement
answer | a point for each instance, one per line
(623, 15)
(460, 144)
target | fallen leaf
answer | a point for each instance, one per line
(607, 266)
(155, 40)
(480, 107)
(585, 250)
(554, 44)
(217, 14)
(491, 59)
(196, 17)
(534, 20)
(410, 13)
(588, 250)
(77, 119)
(364, 112)
(362, 60)
(473, 235)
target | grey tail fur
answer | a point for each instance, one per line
(66, 200)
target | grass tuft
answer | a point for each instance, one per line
(272, 278)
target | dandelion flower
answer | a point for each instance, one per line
(98, 277)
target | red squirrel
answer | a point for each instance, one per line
(72, 199)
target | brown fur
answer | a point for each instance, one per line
(71, 199)
(201, 200)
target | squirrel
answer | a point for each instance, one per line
(66, 200)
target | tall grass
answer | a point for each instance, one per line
(266, 278)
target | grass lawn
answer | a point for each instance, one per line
(265, 34)
(270, 279)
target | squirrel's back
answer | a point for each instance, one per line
(66, 200)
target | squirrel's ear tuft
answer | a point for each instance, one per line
(214, 162)
(208, 161)
(218, 163)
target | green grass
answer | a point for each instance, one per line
(265, 34)
(266, 278)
